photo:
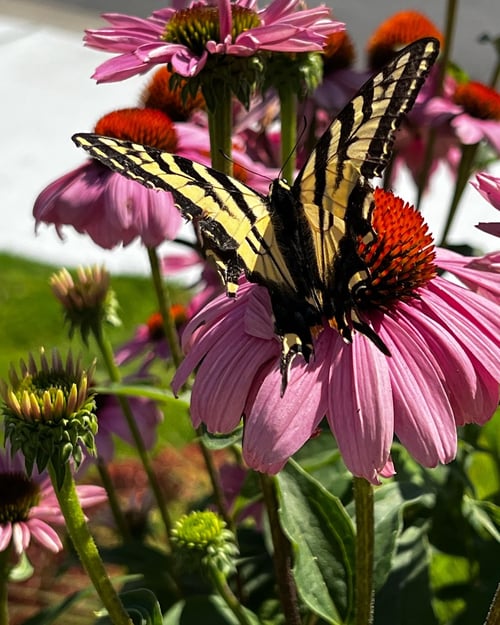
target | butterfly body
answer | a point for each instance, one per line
(300, 242)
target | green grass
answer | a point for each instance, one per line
(31, 317)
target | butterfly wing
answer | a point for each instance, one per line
(234, 221)
(332, 187)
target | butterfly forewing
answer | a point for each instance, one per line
(357, 147)
(230, 215)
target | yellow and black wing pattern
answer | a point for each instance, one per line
(299, 240)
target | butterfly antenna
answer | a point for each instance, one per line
(247, 169)
(293, 151)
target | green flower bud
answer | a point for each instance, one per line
(87, 301)
(48, 411)
(202, 542)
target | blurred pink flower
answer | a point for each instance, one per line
(113, 423)
(174, 37)
(443, 372)
(29, 506)
(480, 117)
(105, 205)
(489, 187)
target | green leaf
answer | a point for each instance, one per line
(208, 610)
(322, 536)
(22, 571)
(482, 515)
(406, 597)
(160, 395)
(221, 441)
(142, 607)
(390, 502)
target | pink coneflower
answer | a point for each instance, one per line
(480, 119)
(29, 507)
(443, 370)
(188, 38)
(149, 342)
(489, 187)
(395, 33)
(109, 208)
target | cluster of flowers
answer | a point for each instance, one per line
(444, 338)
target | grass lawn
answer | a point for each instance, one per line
(31, 317)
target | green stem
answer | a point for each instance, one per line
(228, 596)
(165, 307)
(213, 474)
(451, 18)
(282, 555)
(220, 125)
(495, 74)
(451, 14)
(115, 376)
(85, 546)
(465, 169)
(4, 585)
(493, 617)
(363, 500)
(288, 112)
(114, 505)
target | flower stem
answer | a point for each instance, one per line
(220, 122)
(288, 104)
(363, 500)
(465, 168)
(115, 376)
(165, 307)
(85, 546)
(282, 555)
(493, 617)
(228, 596)
(451, 14)
(4, 585)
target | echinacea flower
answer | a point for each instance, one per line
(29, 506)
(149, 341)
(395, 33)
(489, 187)
(48, 411)
(187, 38)
(443, 370)
(109, 208)
(87, 300)
(480, 116)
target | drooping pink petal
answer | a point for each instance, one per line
(360, 408)
(423, 417)
(5, 535)
(269, 442)
(45, 535)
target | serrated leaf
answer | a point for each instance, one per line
(322, 537)
(482, 516)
